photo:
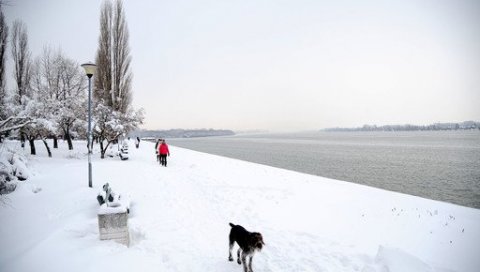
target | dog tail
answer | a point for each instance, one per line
(232, 225)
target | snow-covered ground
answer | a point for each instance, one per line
(180, 214)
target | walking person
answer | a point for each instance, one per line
(163, 151)
(137, 142)
(157, 154)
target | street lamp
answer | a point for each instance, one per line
(89, 70)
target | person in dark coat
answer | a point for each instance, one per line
(137, 142)
(156, 149)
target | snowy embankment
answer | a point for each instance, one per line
(180, 214)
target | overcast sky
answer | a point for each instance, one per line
(282, 65)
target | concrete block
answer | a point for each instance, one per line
(113, 225)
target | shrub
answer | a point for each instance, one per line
(13, 167)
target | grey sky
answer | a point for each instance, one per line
(283, 65)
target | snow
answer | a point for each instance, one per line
(113, 209)
(179, 218)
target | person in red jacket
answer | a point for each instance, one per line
(163, 151)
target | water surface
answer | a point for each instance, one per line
(440, 165)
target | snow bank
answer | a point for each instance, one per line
(13, 167)
(179, 218)
(396, 260)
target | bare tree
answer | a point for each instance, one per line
(103, 75)
(21, 59)
(114, 76)
(3, 59)
(22, 65)
(122, 76)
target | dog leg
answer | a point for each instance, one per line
(230, 246)
(238, 256)
(244, 260)
(250, 263)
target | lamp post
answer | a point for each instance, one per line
(89, 70)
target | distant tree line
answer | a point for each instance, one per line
(467, 125)
(49, 97)
(181, 133)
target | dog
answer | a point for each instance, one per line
(249, 243)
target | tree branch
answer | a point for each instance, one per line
(18, 122)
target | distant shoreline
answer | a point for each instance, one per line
(181, 133)
(466, 125)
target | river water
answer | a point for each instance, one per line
(440, 165)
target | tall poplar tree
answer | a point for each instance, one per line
(21, 60)
(113, 113)
(3, 59)
(113, 77)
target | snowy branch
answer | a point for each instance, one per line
(13, 123)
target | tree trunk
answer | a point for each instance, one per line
(32, 146)
(22, 140)
(55, 142)
(69, 140)
(47, 147)
(102, 151)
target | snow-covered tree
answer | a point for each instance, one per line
(29, 132)
(13, 123)
(113, 113)
(34, 103)
(73, 99)
(12, 116)
(59, 84)
(110, 124)
(43, 111)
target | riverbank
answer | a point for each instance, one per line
(180, 214)
(439, 165)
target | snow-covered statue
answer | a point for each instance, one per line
(108, 197)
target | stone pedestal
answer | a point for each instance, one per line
(113, 225)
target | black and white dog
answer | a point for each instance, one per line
(249, 242)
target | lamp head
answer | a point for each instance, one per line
(89, 68)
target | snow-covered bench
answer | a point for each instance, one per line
(123, 152)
